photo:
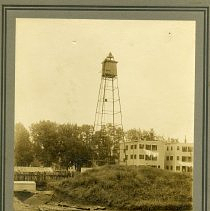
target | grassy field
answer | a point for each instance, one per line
(132, 188)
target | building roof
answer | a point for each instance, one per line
(32, 169)
(180, 143)
(142, 140)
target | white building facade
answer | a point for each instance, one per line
(142, 152)
(176, 157)
(179, 157)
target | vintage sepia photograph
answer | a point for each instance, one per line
(104, 114)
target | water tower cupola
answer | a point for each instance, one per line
(109, 67)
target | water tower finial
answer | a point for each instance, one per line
(110, 55)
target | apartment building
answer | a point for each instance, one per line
(179, 157)
(176, 157)
(142, 152)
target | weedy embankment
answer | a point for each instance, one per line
(127, 187)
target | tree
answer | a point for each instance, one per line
(105, 143)
(74, 145)
(23, 146)
(45, 139)
(63, 144)
(102, 146)
(134, 134)
(119, 137)
(85, 133)
(138, 134)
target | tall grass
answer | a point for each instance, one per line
(127, 187)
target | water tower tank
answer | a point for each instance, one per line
(109, 67)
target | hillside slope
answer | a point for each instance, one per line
(142, 188)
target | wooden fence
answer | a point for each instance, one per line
(42, 176)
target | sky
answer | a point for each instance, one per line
(58, 72)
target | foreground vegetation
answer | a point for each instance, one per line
(133, 188)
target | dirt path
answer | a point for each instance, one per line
(20, 206)
(25, 201)
(42, 201)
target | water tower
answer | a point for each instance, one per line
(108, 109)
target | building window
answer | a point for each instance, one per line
(171, 167)
(131, 156)
(184, 159)
(177, 157)
(148, 157)
(158, 166)
(171, 148)
(167, 148)
(171, 157)
(189, 149)
(134, 146)
(184, 149)
(126, 147)
(134, 156)
(167, 157)
(141, 156)
(154, 157)
(177, 147)
(189, 159)
(131, 146)
(148, 147)
(167, 167)
(177, 168)
(141, 146)
(154, 147)
(189, 169)
(184, 168)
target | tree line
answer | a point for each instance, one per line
(48, 143)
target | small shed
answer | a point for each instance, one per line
(29, 186)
